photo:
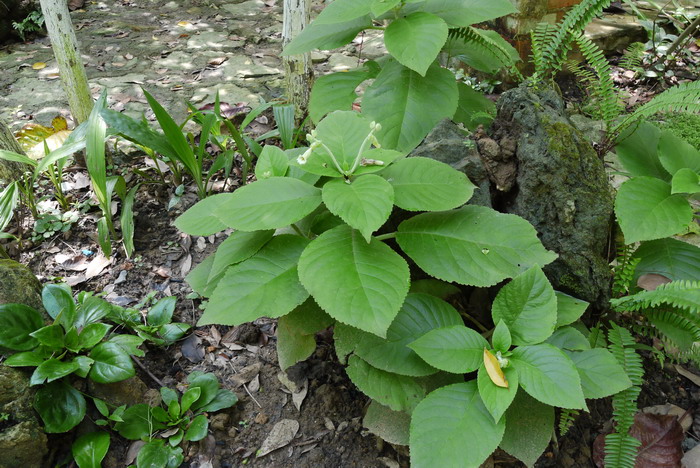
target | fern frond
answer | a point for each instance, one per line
(567, 417)
(620, 447)
(603, 90)
(633, 56)
(682, 294)
(471, 36)
(623, 272)
(557, 46)
(682, 98)
(542, 35)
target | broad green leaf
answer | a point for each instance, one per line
(423, 184)
(93, 334)
(95, 155)
(341, 11)
(416, 40)
(209, 385)
(364, 203)
(548, 375)
(168, 395)
(90, 449)
(202, 219)
(24, 359)
(672, 258)
(222, 400)
(451, 428)
(138, 422)
(271, 163)
(199, 278)
(266, 284)
(16, 157)
(501, 339)
(344, 134)
(127, 221)
(419, 314)
(92, 310)
(335, 91)
(9, 199)
(497, 399)
(498, 245)
(685, 181)
(171, 332)
(103, 237)
(296, 330)
(378, 8)
(128, 343)
(529, 429)
(455, 349)
(162, 312)
(358, 283)
(528, 306)
(569, 338)
(569, 308)
(487, 51)
(409, 105)
(154, 454)
(270, 204)
(58, 301)
(647, 210)
(189, 397)
(139, 132)
(637, 151)
(198, 428)
(84, 364)
(326, 36)
(52, 369)
(50, 336)
(675, 153)
(601, 374)
(112, 364)
(472, 106)
(17, 322)
(60, 406)
(176, 138)
(391, 426)
(463, 13)
(398, 392)
(434, 287)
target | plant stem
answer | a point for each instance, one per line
(242, 148)
(391, 235)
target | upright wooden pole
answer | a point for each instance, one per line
(70, 64)
(297, 68)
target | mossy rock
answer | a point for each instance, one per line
(22, 439)
(19, 285)
(561, 188)
(685, 126)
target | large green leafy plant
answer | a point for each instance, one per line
(314, 245)
(411, 92)
(77, 342)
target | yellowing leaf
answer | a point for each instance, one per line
(59, 123)
(183, 23)
(493, 369)
(39, 66)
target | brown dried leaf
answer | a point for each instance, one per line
(651, 281)
(74, 5)
(661, 437)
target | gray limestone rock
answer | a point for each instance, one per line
(449, 144)
(561, 188)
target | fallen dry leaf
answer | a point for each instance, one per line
(661, 437)
(246, 374)
(281, 435)
(688, 375)
(38, 66)
(651, 281)
(97, 266)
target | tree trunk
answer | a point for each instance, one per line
(70, 64)
(9, 170)
(297, 68)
